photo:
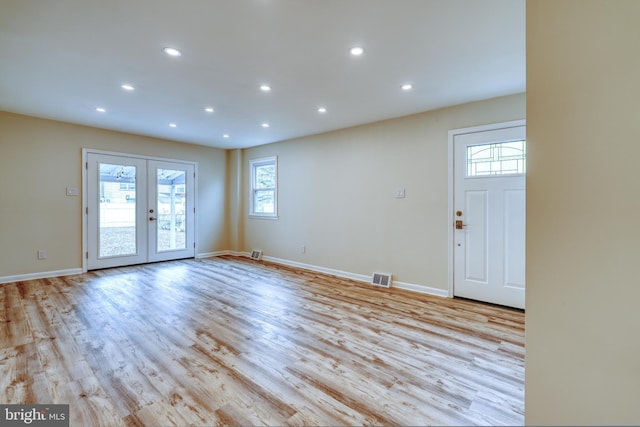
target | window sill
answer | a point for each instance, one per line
(269, 217)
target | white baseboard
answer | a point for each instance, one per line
(214, 254)
(353, 276)
(40, 275)
(331, 271)
(423, 289)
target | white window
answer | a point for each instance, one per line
(264, 188)
(503, 158)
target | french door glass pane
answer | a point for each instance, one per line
(172, 205)
(117, 213)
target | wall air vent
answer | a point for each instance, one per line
(381, 279)
(256, 254)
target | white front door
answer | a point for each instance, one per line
(138, 210)
(489, 215)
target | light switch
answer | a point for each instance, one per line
(400, 193)
(72, 191)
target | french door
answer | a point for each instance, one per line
(138, 210)
(489, 215)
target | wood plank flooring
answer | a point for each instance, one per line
(231, 341)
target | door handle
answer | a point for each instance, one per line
(460, 225)
(152, 218)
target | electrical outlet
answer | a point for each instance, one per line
(399, 193)
(42, 254)
(303, 249)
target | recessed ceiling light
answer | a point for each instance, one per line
(407, 86)
(209, 110)
(100, 110)
(356, 51)
(172, 51)
(173, 125)
(265, 125)
(127, 86)
(322, 110)
(265, 88)
(226, 135)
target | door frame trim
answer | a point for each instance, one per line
(85, 200)
(451, 188)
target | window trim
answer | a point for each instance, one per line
(253, 164)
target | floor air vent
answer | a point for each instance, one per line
(381, 279)
(256, 254)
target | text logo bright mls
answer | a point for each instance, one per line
(34, 415)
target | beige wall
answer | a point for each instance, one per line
(336, 194)
(40, 158)
(583, 215)
(234, 199)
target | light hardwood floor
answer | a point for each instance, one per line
(230, 341)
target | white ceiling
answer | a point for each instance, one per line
(61, 59)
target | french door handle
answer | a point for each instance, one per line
(460, 225)
(153, 218)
